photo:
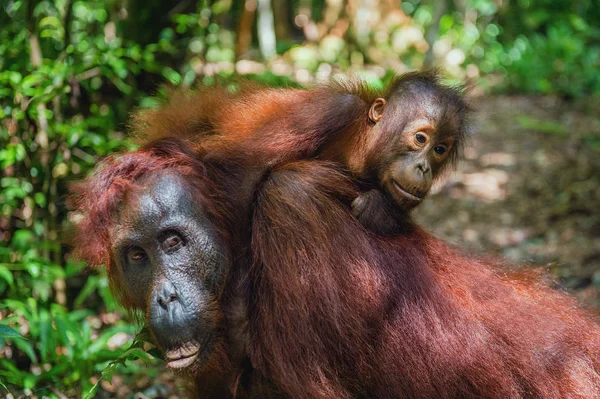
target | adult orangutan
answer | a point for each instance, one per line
(263, 285)
(395, 142)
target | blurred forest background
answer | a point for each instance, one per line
(72, 71)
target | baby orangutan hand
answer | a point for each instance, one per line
(379, 214)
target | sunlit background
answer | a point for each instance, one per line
(72, 71)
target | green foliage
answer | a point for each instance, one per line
(135, 351)
(67, 84)
(562, 61)
(62, 347)
(538, 46)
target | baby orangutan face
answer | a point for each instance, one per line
(415, 142)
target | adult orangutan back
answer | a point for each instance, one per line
(396, 141)
(337, 312)
(319, 308)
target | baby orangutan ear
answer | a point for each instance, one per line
(376, 110)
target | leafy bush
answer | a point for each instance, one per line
(64, 101)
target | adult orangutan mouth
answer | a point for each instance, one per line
(406, 193)
(183, 357)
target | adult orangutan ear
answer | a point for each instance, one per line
(376, 110)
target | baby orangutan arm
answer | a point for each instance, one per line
(378, 213)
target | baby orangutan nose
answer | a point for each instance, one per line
(423, 167)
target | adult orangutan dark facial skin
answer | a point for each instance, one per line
(396, 142)
(170, 263)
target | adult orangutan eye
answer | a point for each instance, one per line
(440, 149)
(421, 138)
(136, 254)
(171, 241)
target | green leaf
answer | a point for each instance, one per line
(4, 386)
(135, 354)
(157, 353)
(27, 348)
(51, 21)
(90, 286)
(15, 305)
(150, 102)
(7, 275)
(63, 326)
(92, 392)
(143, 336)
(33, 268)
(46, 334)
(15, 78)
(109, 371)
(173, 76)
(22, 239)
(7, 332)
(40, 199)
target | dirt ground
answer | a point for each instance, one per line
(528, 190)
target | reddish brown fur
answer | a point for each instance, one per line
(334, 311)
(275, 124)
(337, 312)
(213, 111)
(289, 124)
(331, 122)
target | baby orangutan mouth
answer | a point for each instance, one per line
(183, 356)
(408, 195)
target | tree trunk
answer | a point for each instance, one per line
(244, 33)
(266, 29)
(439, 9)
(282, 9)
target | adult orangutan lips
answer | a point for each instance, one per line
(182, 357)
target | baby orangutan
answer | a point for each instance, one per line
(395, 142)
(413, 133)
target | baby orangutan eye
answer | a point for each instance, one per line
(440, 149)
(421, 138)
